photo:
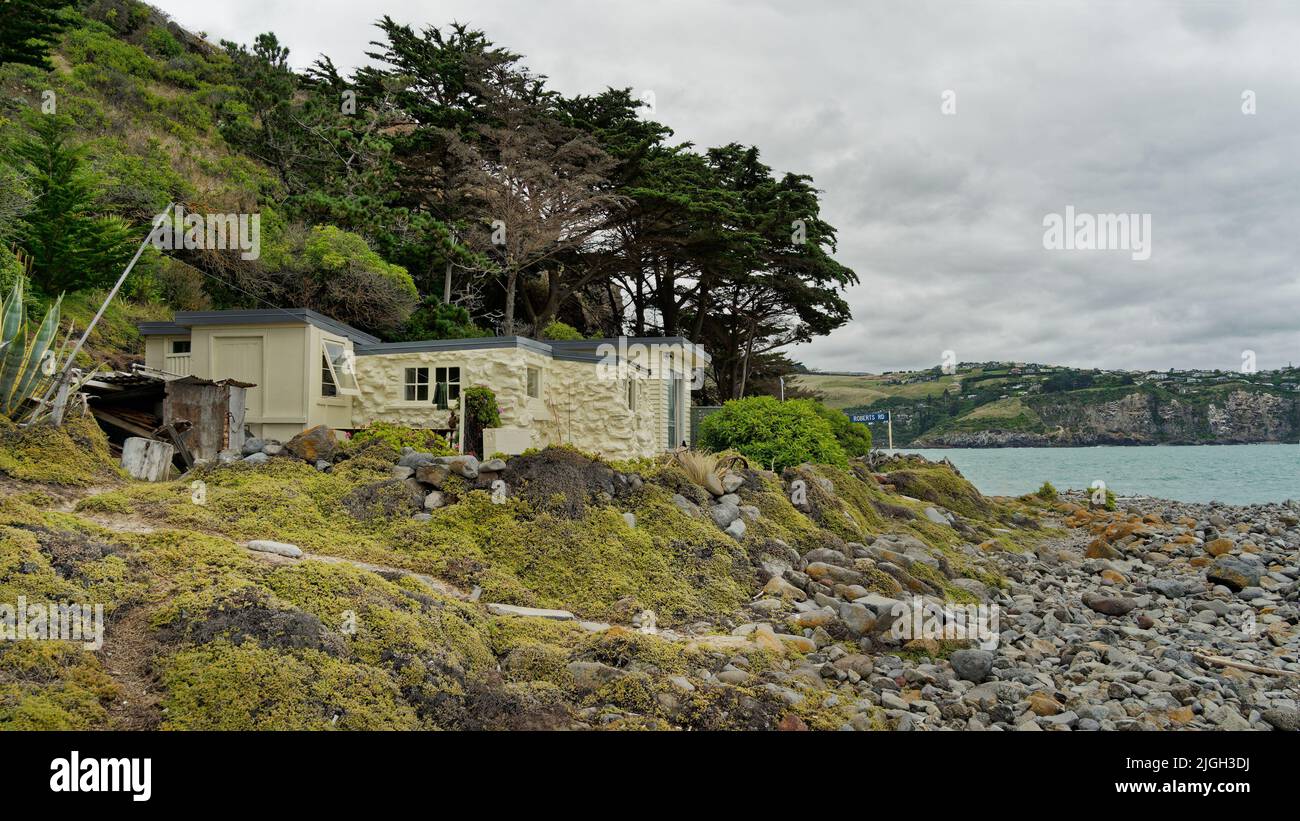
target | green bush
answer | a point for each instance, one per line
(560, 332)
(481, 407)
(397, 436)
(1047, 492)
(481, 411)
(773, 433)
(434, 319)
(854, 438)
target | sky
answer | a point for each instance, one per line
(944, 135)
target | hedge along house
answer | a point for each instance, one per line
(620, 398)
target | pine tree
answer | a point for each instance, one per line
(28, 28)
(72, 248)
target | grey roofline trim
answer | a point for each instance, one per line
(576, 350)
(187, 319)
(433, 345)
(478, 344)
(162, 329)
(592, 344)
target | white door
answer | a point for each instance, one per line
(240, 357)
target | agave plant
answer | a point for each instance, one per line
(27, 363)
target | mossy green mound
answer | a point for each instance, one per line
(75, 453)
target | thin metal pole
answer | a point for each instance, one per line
(72, 357)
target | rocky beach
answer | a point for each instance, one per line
(1158, 615)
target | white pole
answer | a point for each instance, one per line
(57, 416)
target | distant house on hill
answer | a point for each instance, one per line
(621, 398)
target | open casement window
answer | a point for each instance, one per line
(446, 389)
(534, 383)
(337, 374)
(416, 385)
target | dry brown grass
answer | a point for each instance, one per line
(707, 469)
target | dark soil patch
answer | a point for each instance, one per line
(249, 615)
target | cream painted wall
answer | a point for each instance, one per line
(278, 406)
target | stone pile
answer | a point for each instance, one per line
(721, 504)
(1189, 621)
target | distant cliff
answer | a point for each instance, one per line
(1138, 417)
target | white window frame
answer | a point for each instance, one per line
(529, 370)
(188, 343)
(345, 357)
(416, 385)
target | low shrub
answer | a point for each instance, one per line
(854, 438)
(775, 434)
(398, 437)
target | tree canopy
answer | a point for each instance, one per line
(458, 192)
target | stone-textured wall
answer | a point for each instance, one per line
(577, 405)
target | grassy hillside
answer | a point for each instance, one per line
(842, 392)
(1016, 403)
(146, 100)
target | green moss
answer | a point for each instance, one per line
(52, 685)
(505, 633)
(538, 662)
(622, 648)
(635, 692)
(925, 572)
(113, 502)
(940, 485)
(75, 453)
(398, 437)
(223, 687)
(822, 712)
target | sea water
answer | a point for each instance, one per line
(1235, 474)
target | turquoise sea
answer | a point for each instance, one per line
(1235, 474)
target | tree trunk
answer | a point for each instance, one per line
(508, 321)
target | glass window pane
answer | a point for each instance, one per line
(327, 386)
(341, 359)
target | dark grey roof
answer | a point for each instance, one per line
(185, 320)
(471, 344)
(590, 345)
(162, 328)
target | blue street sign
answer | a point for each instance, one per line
(871, 416)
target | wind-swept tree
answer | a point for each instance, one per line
(539, 190)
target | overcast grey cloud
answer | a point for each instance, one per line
(1111, 107)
